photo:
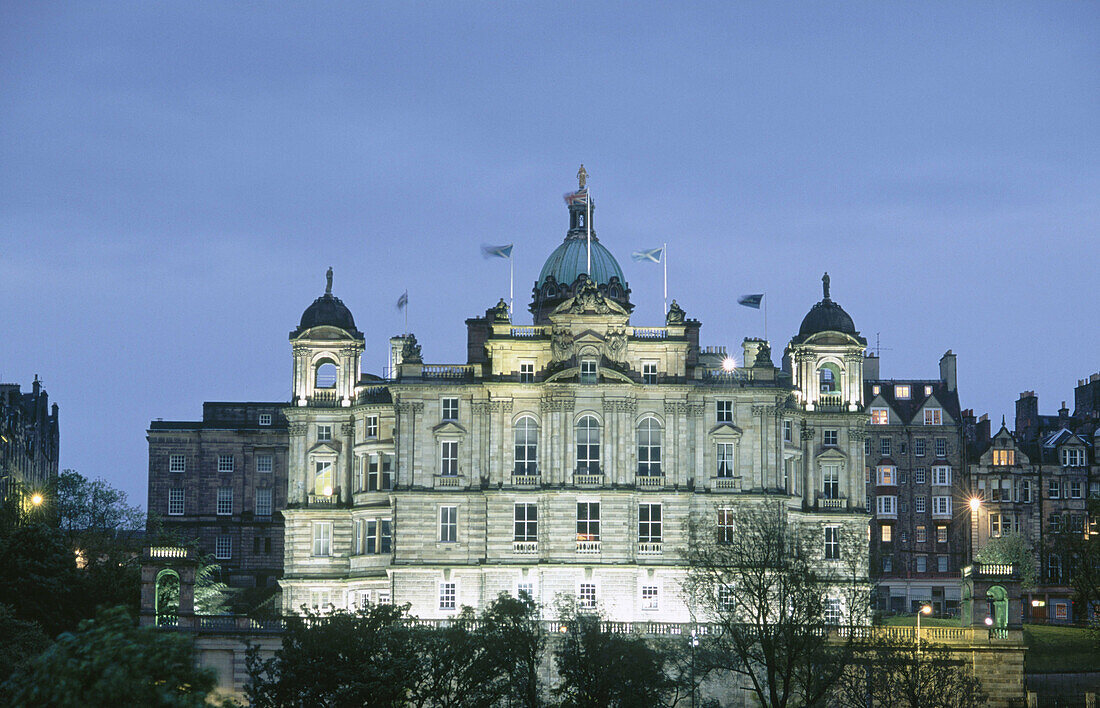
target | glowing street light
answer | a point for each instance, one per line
(729, 364)
(924, 610)
(975, 502)
(36, 500)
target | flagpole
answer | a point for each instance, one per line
(511, 281)
(765, 299)
(588, 223)
(664, 261)
(406, 313)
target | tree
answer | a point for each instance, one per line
(887, 672)
(600, 668)
(514, 639)
(763, 578)
(367, 657)
(1079, 550)
(39, 579)
(1012, 548)
(458, 670)
(211, 594)
(109, 661)
(23, 641)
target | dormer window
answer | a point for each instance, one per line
(589, 373)
(876, 390)
(880, 416)
(933, 416)
(1073, 457)
(1004, 458)
(927, 390)
(901, 391)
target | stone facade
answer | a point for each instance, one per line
(222, 481)
(29, 440)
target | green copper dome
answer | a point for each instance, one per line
(570, 259)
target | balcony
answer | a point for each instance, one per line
(832, 503)
(649, 549)
(830, 401)
(588, 547)
(448, 481)
(650, 333)
(323, 500)
(324, 399)
(460, 372)
(526, 548)
(650, 481)
(588, 477)
(726, 484)
(525, 480)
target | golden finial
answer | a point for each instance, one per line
(582, 176)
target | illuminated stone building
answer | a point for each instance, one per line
(29, 440)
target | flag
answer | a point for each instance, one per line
(403, 301)
(653, 255)
(496, 251)
(752, 301)
(578, 197)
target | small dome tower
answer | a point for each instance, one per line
(827, 357)
(327, 352)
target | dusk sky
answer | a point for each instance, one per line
(176, 178)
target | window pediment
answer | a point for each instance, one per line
(831, 454)
(449, 429)
(725, 431)
(329, 448)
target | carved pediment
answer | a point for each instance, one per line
(330, 447)
(449, 429)
(590, 301)
(831, 454)
(725, 431)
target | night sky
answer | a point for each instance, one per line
(176, 178)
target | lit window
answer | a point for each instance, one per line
(177, 463)
(724, 411)
(880, 416)
(941, 447)
(588, 521)
(828, 376)
(927, 390)
(1004, 458)
(920, 504)
(223, 547)
(725, 526)
(830, 481)
(527, 372)
(265, 419)
(588, 445)
(788, 431)
(372, 426)
(725, 459)
(887, 531)
(941, 476)
(175, 502)
(322, 538)
(225, 501)
(649, 372)
(887, 475)
(941, 506)
(933, 416)
(526, 524)
(649, 597)
(941, 534)
(225, 463)
(448, 458)
(876, 390)
(526, 438)
(263, 501)
(649, 523)
(832, 542)
(887, 505)
(447, 596)
(901, 391)
(829, 437)
(649, 448)
(1061, 609)
(322, 478)
(920, 535)
(586, 596)
(1073, 457)
(450, 409)
(918, 446)
(448, 524)
(589, 372)
(324, 433)
(265, 463)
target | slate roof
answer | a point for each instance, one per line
(907, 408)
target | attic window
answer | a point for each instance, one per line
(901, 391)
(927, 390)
(876, 390)
(588, 371)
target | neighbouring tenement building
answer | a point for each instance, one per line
(29, 440)
(916, 473)
(221, 481)
(563, 457)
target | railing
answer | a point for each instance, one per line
(447, 481)
(649, 549)
(583, 479)
(529, 332)
(525, 480)
(824, 503)
(216, 623)
(167, 552)
(723, 376)
(526, 548)
(374, 394)
(996, 570)
(447, 371)
(650, 481)
(726, 482)
(588, 546)
(322, 499)
(324, 399)
(830, 400)
(650, 333)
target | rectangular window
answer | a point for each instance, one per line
(725, 526)
(320, 600)
(724, 411)
(1056, 523)
(1075, 490)
(918, 446)
(223, 547)
(727, 600)
(1073, 457)
(921, 534)
(589, 371)
(322, 538)
(527, 372)
(887, 475)
(941, 476)
(887, 564)
(941, 534)
(372, 426)
(649, 523)
(225, 501)
(788, 431)
(1025, 491)
(941, 447)
(920, 504)
(829, 437)
(995, 525)
(265, 419)
(933, 416)
(175, 502)
(447, 596)
(880, 416)
(385, 536)
(867, 447)
(941, 564)
(922, 564)
(941, 506)
(378, 537)
(526, 525)
(448, 524)
(725, 459)
(527, 589)
(1061, 610)
(379, 471)
(225, 463)
(1054, 489)
(361, 473)
(649, 597)
(588, 521)
(177, 463)
(876, 390)
(383, 597)
(265, 464)
(927, 390)
(920, 475)
(586, 596)
(450, 409)
(1004, 458)
(322, 478)
(324, 433)
(887, 531)
(887, 505)
(901, 391)
(649, 372)
(832, 614)
(885, 447)
(830, 481)
(263, 501)
(448, 458)
(832, 542)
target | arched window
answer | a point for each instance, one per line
(325, 375)
(829, 378)
(527, 446)
(588, 445)
(167, 597)
(649, 448)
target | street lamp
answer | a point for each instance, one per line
(975, 505)
(924, 610)
(694, 643)
(36, 500)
